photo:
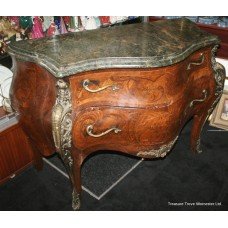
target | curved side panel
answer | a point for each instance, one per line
(33, 96)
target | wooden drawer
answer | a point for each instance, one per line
(126, 88)
(134, 129)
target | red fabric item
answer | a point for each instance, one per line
(105, 20)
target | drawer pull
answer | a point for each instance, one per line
(201, 60)
(86, 83)
(89, 130)
(204, 92)
(191, 104)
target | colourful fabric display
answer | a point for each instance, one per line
(37, 29)
(62, 26)
(27, 27)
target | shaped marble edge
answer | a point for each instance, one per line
(59, 70)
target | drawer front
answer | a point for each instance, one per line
(127, 88)
(127, 130)
(201, 86)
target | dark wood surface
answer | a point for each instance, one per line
(221, 32)
(33, 95)
(15, 151)
(2, 112)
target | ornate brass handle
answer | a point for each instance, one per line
(201, 60)
(89, 130)
(86, 83)
(204, 92)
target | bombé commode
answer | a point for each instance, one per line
(127, 88)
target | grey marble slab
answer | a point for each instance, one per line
(142, 45)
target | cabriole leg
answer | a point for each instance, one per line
(61, 130)
(198, 123)
(75, 178)
(75, 200)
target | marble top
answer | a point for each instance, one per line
(141, 45)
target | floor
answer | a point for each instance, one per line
(113, 181)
